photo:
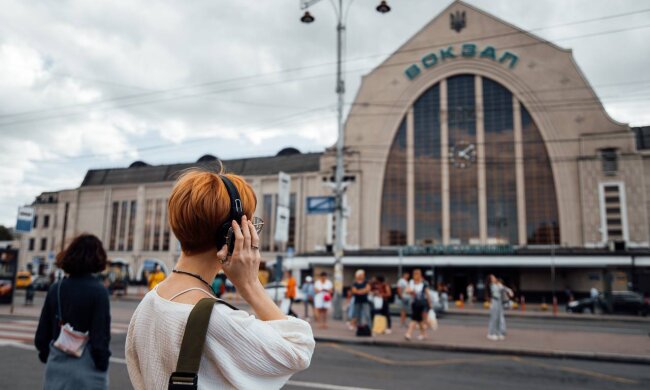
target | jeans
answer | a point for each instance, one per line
(362, 313)
(497, 324)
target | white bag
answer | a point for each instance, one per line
(69, 341)
(377, 302)
(285, 306)
(432, 319)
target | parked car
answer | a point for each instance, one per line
(23, 279)
(623, 302)
(281, 288)
(41, 283)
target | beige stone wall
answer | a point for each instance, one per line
(544, 78)
(633, 176)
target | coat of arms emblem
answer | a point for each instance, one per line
(457, 20)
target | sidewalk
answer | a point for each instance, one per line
(535, 311)
(538, 342)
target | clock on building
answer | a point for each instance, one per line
(462, 154)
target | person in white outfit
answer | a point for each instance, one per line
(323, 298)
(241, 351)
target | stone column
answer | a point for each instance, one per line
(480, 161)
(444, 160)
(519, 172)
(410, 178)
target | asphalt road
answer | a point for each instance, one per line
(341, 367)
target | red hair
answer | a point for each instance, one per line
(199, 205)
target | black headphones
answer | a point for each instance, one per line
(226, 234)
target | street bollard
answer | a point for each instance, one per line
(554, 306)
(461, 302)
(523, 303)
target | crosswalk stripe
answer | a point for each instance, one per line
(24, 330)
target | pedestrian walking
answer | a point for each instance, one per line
(291, 291)
(470, 293)
(383, 294)
(210, 215)
(73, 332)
(420, 304)
(360, 291)
(323, 299)
(403, 297)
(496, 325)
(155, 277)
(307, 290)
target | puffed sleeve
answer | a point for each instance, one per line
(247, 349)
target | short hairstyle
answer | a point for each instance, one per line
(199, 205)
(359, 272)
(84, 255)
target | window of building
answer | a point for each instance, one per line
(613, 213)
(393, 202)
(46, 221)
(122, 229)
(114, 215)
(500, 176)
(156, 225)
(499, 166)
(291, 241)
(35, 222)
(31, 244)
(542, 220)
(148, 224)
(267, 211)
(609, 158)
(428, 187)
(165, 222)
(463, 173)
(129, 242)
(43, 244)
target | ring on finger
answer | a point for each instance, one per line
(255, 247)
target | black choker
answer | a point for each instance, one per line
(197, 276)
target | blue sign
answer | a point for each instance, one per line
(25, 219)
(321, 204)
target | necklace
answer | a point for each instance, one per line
(197, 276)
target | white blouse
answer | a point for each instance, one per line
(240, 351)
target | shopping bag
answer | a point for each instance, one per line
(379, 324)
(377, 302)
(285, 306)
(432, 319)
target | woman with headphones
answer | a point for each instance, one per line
(211, 215)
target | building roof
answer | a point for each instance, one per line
(257, 166)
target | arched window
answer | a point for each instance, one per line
(466, 145)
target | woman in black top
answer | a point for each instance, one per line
(85, 306)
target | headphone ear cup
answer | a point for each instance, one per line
(222, 235)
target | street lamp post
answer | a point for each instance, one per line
(339, 188)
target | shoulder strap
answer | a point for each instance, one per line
(58, 301)
(189, 358)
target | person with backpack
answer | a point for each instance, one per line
(181, 335)
(420, 303)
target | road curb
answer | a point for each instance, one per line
(577, 317)
(591, 356)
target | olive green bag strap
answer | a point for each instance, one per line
(189, 359)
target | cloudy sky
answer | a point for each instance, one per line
(94, 84)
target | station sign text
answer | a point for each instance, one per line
(466, 50)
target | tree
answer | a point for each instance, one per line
(5, 234)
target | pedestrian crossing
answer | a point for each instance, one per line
(23, 331)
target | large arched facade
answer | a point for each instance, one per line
(480, 172)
